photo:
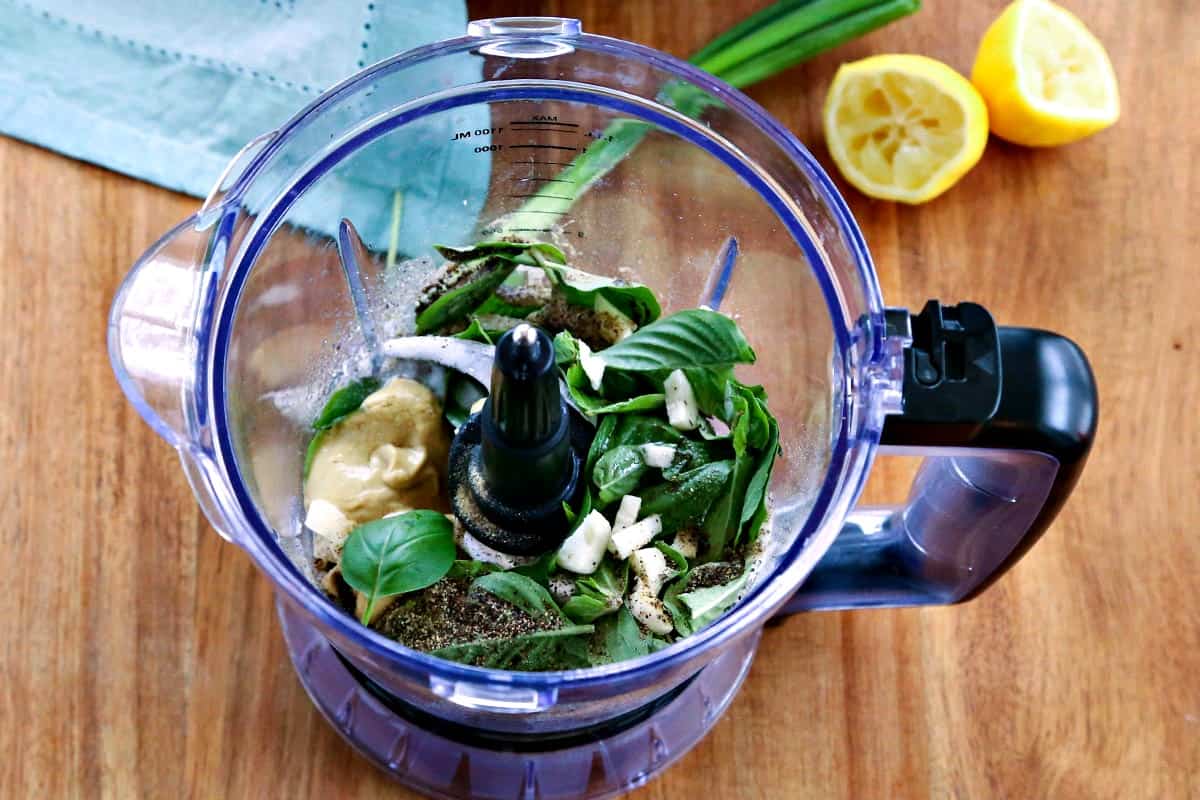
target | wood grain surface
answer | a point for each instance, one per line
(141, 657)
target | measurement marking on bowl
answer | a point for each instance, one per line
(542, 147)
(543, 126)
(545, 122)
(553, 163)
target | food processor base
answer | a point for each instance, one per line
(446, 768)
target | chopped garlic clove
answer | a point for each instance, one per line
(583, 550)
(683, 412)
(648, 609)
(650, 564)
(686, 544)
(627, 514)
(658, 456)
(592, 365)
(626, 540)
(481, 552)
(330, 528)
(326, 519)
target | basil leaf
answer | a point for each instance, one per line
(644, 402)
(499, 307)
(754, 508)
(314, 445)
(708, 385)
(578, 387)
(540, 570)
(746, 491)
(521, 591)
(709, 603)
(344, 402)
(681, 617)
(738, 408)
(517, 252)
(609, 580)
(643, 430)
(462, 300)
(620, 638)
(583, 608)
(398, 554)
(585, 508)
(690, 454)
(617, 473)
(601, 443)
(566, 349)
(687, 339)
(760, 418)
(684, 503)
(562, 648)
(595, 406)
(584, 289)
(618, 384)
(569, 513)
(475, 332)
(600, 593)
(462, 392)
(723, 522)
(678, 558)
(466, 568)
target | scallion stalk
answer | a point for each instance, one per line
(798, 21)
(746, 29)
(803, 46)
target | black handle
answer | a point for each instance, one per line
(1044, 390)
(1024, 401)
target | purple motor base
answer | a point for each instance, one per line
(443, 768)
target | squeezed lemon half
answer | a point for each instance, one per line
(903, 127)
(1046, 79)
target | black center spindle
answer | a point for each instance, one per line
(526, 448)
(514, 464)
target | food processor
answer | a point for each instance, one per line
(229, 332)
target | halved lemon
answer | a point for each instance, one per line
(1046, 79)
(903, 127)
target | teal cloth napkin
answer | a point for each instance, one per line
(169, 90)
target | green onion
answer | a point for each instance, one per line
(616, 142)
(779, 46)
(776, 38)
(744, 30)
(394, 232)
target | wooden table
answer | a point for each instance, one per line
(141, 656)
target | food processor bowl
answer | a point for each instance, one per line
(230, 332)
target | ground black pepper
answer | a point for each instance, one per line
(714, 574)
(448, 613)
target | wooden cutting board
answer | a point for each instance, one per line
(141, 656)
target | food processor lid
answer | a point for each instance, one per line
(864, 370)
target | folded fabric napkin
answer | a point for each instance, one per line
(170, 90)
